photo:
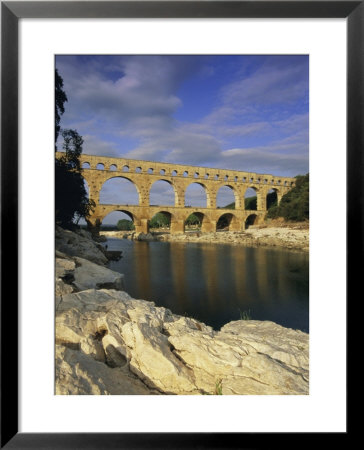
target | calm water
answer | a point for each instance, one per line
(217, 283)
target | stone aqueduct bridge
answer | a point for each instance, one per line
(143, 174)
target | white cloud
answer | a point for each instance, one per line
(132, 113)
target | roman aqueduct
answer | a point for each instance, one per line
(96, 170)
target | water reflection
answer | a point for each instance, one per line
(216, 283)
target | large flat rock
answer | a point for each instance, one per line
(108, 335)
(75, 274)
(79, 244)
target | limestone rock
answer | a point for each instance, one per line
(88, 275)
(64, 275)
(77, 374)
(79, 244)
(62, 288)
(247, 357)
(77, 274)
(290, 238)
(106, 330)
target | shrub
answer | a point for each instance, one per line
(294, 205)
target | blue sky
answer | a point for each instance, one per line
(244, 112)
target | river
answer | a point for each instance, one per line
(218, 283)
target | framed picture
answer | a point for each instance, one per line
(33, 33)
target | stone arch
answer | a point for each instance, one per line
(252, 219)
(162, 182)
(272, 198)
(113, 168)
(122, 192)
(116, 217)
(202, 198)
(199, 221)
(226, 199)
(228, 222)
(163, 225)
(100, 166)
(249, 203)
(86, 165)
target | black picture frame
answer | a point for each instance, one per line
(11, 12)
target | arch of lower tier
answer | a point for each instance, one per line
(237, 220)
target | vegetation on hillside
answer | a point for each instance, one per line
(294, 205)
(250, 203)
(71, 199)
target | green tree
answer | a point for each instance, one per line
(294, 205)
(272, 199)
(60, 100)
(71, 199)
(159, 220)
(193, 219)
(125, 225)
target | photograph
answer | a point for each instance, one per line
(176, 271)
(181, 224)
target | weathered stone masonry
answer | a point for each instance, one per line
(143, 174)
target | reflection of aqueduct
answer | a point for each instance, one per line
(143, 174)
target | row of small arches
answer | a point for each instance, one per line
(174, 173)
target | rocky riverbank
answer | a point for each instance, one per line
(109, 343)
(293, 237)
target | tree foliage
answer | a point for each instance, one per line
(160, 220)
(193, 219)
(71, 199)
(60, 100)
(295, 204)
(125, 225)
(272, 199)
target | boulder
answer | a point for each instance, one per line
(79, 244)
(99, 331)
(77, 374)
(64, 271)
(88, 275)
(78, 274)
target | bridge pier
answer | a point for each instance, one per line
(142, 226)
(177, 226)
(236, 225)
(208, 227)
